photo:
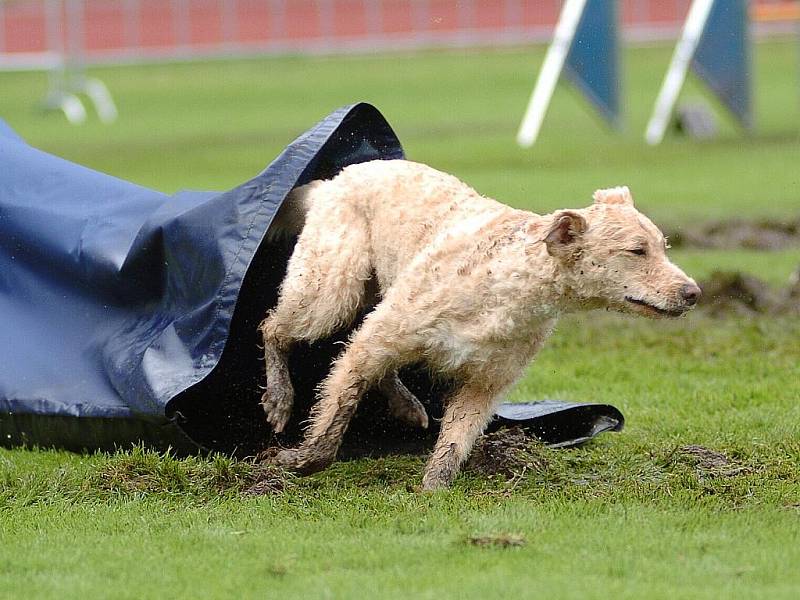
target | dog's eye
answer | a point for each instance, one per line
(638, 251)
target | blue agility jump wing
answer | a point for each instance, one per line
(592, 63)
(722, 58)
(131, 316)
(585, 44)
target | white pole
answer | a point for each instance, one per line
(551, 70)
(676, 74)
(101, 98)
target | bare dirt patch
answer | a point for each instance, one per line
(734, 292)
(752, 235)
(707, 462)
(507, 452)
(497, 540)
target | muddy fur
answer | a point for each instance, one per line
(466, 285)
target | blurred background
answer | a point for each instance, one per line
(132, 30)
(208, 92)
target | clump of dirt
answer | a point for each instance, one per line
(753, 235)
(709, 463)
(507, 452)
(266, 481)
(498, 540)
(793, 291)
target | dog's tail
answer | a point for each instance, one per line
(291, 215)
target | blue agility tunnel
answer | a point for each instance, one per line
(127, 315)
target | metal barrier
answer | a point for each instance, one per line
(59, 50)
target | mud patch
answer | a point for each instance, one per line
(707, 462)
(734, 292)
(751, 235)
(497, 540)
(507, 452)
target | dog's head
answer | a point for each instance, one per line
(610, 255)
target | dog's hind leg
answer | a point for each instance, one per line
(321, 292)
(402, 403)
(278, 397)
(376, 349)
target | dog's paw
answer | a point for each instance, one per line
(302, 461)
(441, 470)
(403, 405)
(411, 412)
(432, 483)
(288, 459)
(277, 402)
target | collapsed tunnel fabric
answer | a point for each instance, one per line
(131, 315)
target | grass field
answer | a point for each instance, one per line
(631, 515)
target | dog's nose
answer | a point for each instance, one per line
(691, 293)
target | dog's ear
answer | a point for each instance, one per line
(617, 195)
(566, 229)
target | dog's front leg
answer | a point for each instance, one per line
(464, 419)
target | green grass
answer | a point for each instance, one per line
(627, 516)
(213, 125)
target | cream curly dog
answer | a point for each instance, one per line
(467, 285)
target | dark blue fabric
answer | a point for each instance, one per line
(115, 298)
(593, 60)
(722, 58)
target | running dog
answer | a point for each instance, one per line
(466, 285)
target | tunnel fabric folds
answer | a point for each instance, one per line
(129, 315)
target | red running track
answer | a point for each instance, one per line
(110, 26)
